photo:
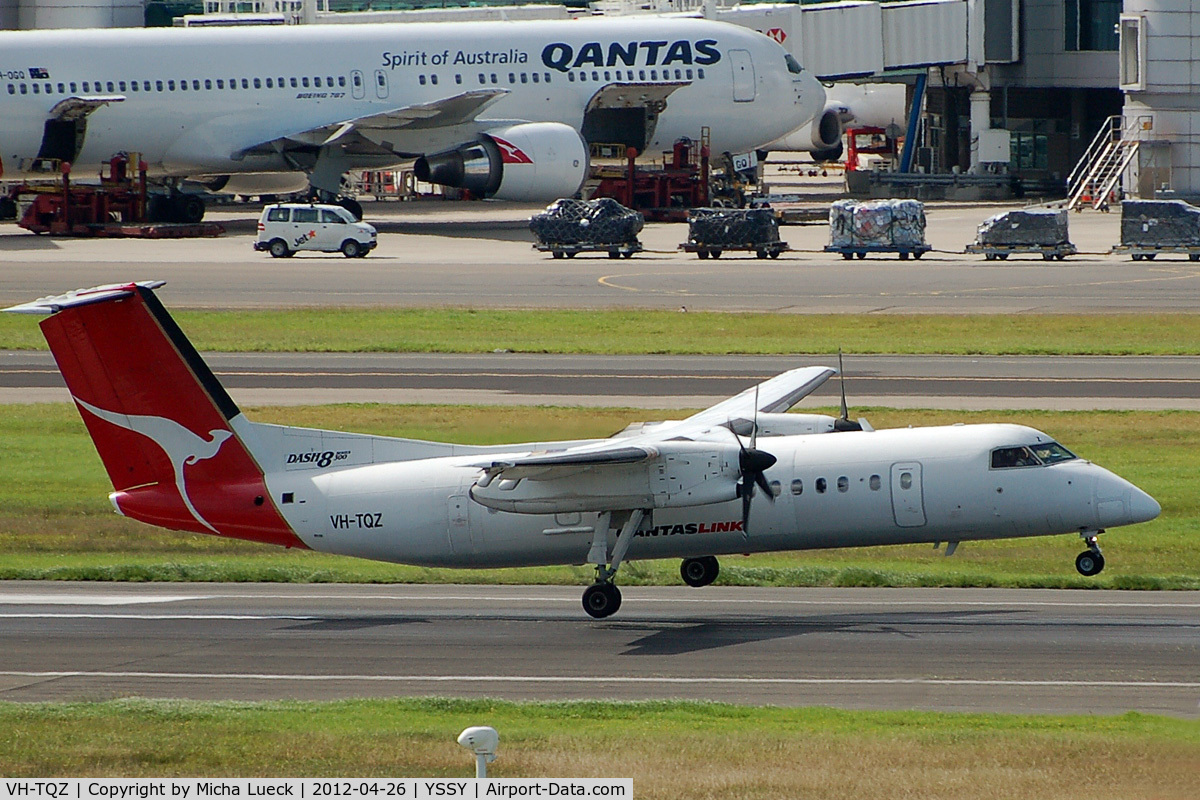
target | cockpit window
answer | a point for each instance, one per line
(1052, 453)
(1007, 457)
(792, 64)
(1034, 456)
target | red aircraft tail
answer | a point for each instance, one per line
(164, 426)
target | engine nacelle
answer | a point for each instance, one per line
(528, 161)
(822, 137)
(257, 183)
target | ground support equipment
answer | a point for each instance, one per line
(861, 250)
(1147, 252)
(623, 250)
(1001, 252)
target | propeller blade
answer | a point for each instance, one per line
(842, 380)
(747, 493)
(761, 480)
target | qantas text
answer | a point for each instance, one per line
(693, 527)
(562, 57)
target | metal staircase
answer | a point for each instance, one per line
(1100, 169)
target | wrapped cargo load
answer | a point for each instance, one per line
(586, 222)
(1160, 223)
(732, 227)
(1035, 227)
(877, 224)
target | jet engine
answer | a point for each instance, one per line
(527, 161)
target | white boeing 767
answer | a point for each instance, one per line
(181, 455)
(503, 109)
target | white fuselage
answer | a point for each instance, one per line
(834, 490)
(192, 101)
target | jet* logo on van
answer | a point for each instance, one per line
(562, 57)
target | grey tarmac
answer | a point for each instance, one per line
(1041, 651)
(480, 255)
(667, 382)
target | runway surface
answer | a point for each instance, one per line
(967, 382)
(981, 650)
(480, 255)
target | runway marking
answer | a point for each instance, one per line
(223, 617)
(47, 599)
(724, 601)
(592, 679)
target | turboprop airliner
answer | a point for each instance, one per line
(501, 109)
(738, 477)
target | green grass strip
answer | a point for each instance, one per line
(670, 749)
(639, 332)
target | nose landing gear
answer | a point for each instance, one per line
(1091, 561)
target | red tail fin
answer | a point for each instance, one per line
(164, 426)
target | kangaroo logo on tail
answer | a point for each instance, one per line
(180, 444)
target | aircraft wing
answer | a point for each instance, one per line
(369, 133)
(772, 396)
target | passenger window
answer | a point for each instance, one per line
(329, 216)
(700, 73)
(494, 78)
(607, 75)
(73, 89)
(457, 78)
(280, 82)
(875, 483)
(270, 83)
(433, 79)
(905, 480)
(821, 485)
(571, 77)
(278, 215)
(776, 488)
(524, 77)
(171, 86)
(689, 74)
(535, 77)
(342, 81)
(512, 77)
(245, 83)
(595, 75)
(843, 484)
(653, 74)
(797, 486)
(110, 87)
(295, 84)
(356, 78)
(641, 74)
(36, 89)
(678, 75)
(317, 82)
(85, 87)
(12, 89)
(421, 79)
(304, 82)
(305, 215)
(158, 86)
(233, 83)
(482, 79)
(220, 83)
(183, 86)
(546, 77)
(328, 82)
(133, 85)
(257, 83)
(24, 90)
(120, 85)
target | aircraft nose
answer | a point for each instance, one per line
(1142, 507)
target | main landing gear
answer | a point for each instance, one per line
(1091, 561)
(699, 571)
(603, 598)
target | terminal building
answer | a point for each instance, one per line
(1085, 92)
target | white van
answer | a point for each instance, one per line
(285, 228)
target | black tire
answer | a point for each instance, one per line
(601, 600)
(614, 253)
(279, 249)
(353, 206)
(1193, 256)
(1149, 256)
(627, 254)
(556, 253)
(761, 254)
(861, 254)
(702, 254)
(715, 253)
(351, 248)
(917, 255)
(1089, 563)
(847, 256)
(1136, 256)
(990, 256)
(775, 253)
(699, 571)
(570, 254)
(903, 256)
(190, 208)
(1047, 256)
(1002, 256)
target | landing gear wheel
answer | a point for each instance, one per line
(351, 248)
(353, 206)
(1089, 563)
(699, 571)
(601, 600)
(279, 248)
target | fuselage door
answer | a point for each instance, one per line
(743, 75)
(908, 502)
(358, 86)
(381, 84)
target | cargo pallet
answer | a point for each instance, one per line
(993, 252)
(623, 250)
(764, 250)
(1147, 252)
(861, 250)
